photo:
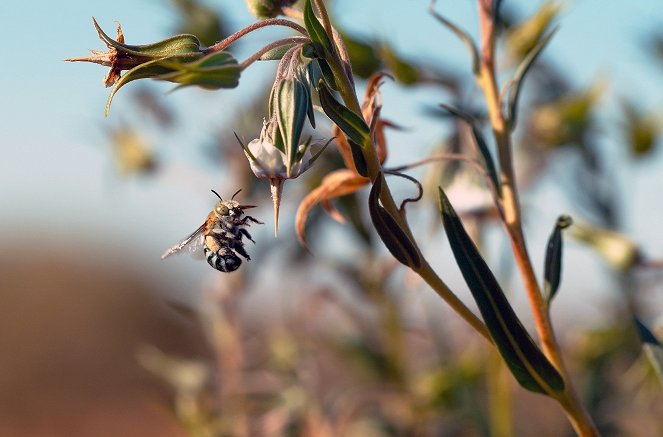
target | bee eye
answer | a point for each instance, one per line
(222, 210)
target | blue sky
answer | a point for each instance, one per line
(55, 171)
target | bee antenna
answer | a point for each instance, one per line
(236, 193)
(217, 195)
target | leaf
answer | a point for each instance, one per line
(363, 56)
(480, 141)
(652, 348)
(553, 263)
(335, 184)
(175, 45)
(394, 238)
(350, 123)
(291, 111)
(405, 72)
(525, 360)
(316, 32)
(214, 71)
(277, 53)
(460, 33)
(327, 74)
(517, 81)
(143, 71)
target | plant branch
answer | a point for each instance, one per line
(257, 55)
(487, 81)
(425, 271)
(222, 45)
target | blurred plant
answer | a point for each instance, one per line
(316, 73)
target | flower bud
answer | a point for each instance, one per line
(121, 56)
(179, 59)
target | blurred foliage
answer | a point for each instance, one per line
(201, 20)
(350, 359)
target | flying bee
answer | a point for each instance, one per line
(221, 235)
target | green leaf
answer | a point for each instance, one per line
(328, 74)
(321, 43)
(350, 123)
(488, 161)
(651, 347)
(277, 53)
(175, 45)
(525, 360)
(143, 71)
(405, 72)
(214, 71)
(363, 56)
(553, 263)
(517, 81)
(291, 112)
(358, 158)
(394, 238)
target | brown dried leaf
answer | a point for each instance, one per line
(335, 184)
(343, 147)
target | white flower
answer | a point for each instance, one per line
(268, 162)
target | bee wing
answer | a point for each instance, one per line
(192, 243)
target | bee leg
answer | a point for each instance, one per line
(254, 220)
(244, 232)
(239, 248)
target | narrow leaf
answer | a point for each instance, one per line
(327, 74)
(316, 31)
(142, 71)
(517, 81)
(175, 45)
(525, 360)
(553, 263)
(651, 347)
(277, 53)
(394, 238)
(488, 161)
(350, 123)
(358, 158)
(461, 34)
(291, 111)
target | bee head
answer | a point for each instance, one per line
(227, 208)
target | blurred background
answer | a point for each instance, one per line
(100, 337)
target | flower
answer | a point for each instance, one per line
(269, 162)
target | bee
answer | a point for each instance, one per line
(221, 235)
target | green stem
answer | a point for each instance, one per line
(425, 271)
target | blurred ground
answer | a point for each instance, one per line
(69, 332)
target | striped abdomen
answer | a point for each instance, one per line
(225, 260)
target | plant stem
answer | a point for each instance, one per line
(486, 79)
(222, 45)
(281, 42)
(425, 271)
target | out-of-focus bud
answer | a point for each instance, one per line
(616, 249)
(523, 37)
(131, 152)
(267, 8)
(567, 120)
(641, 130)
